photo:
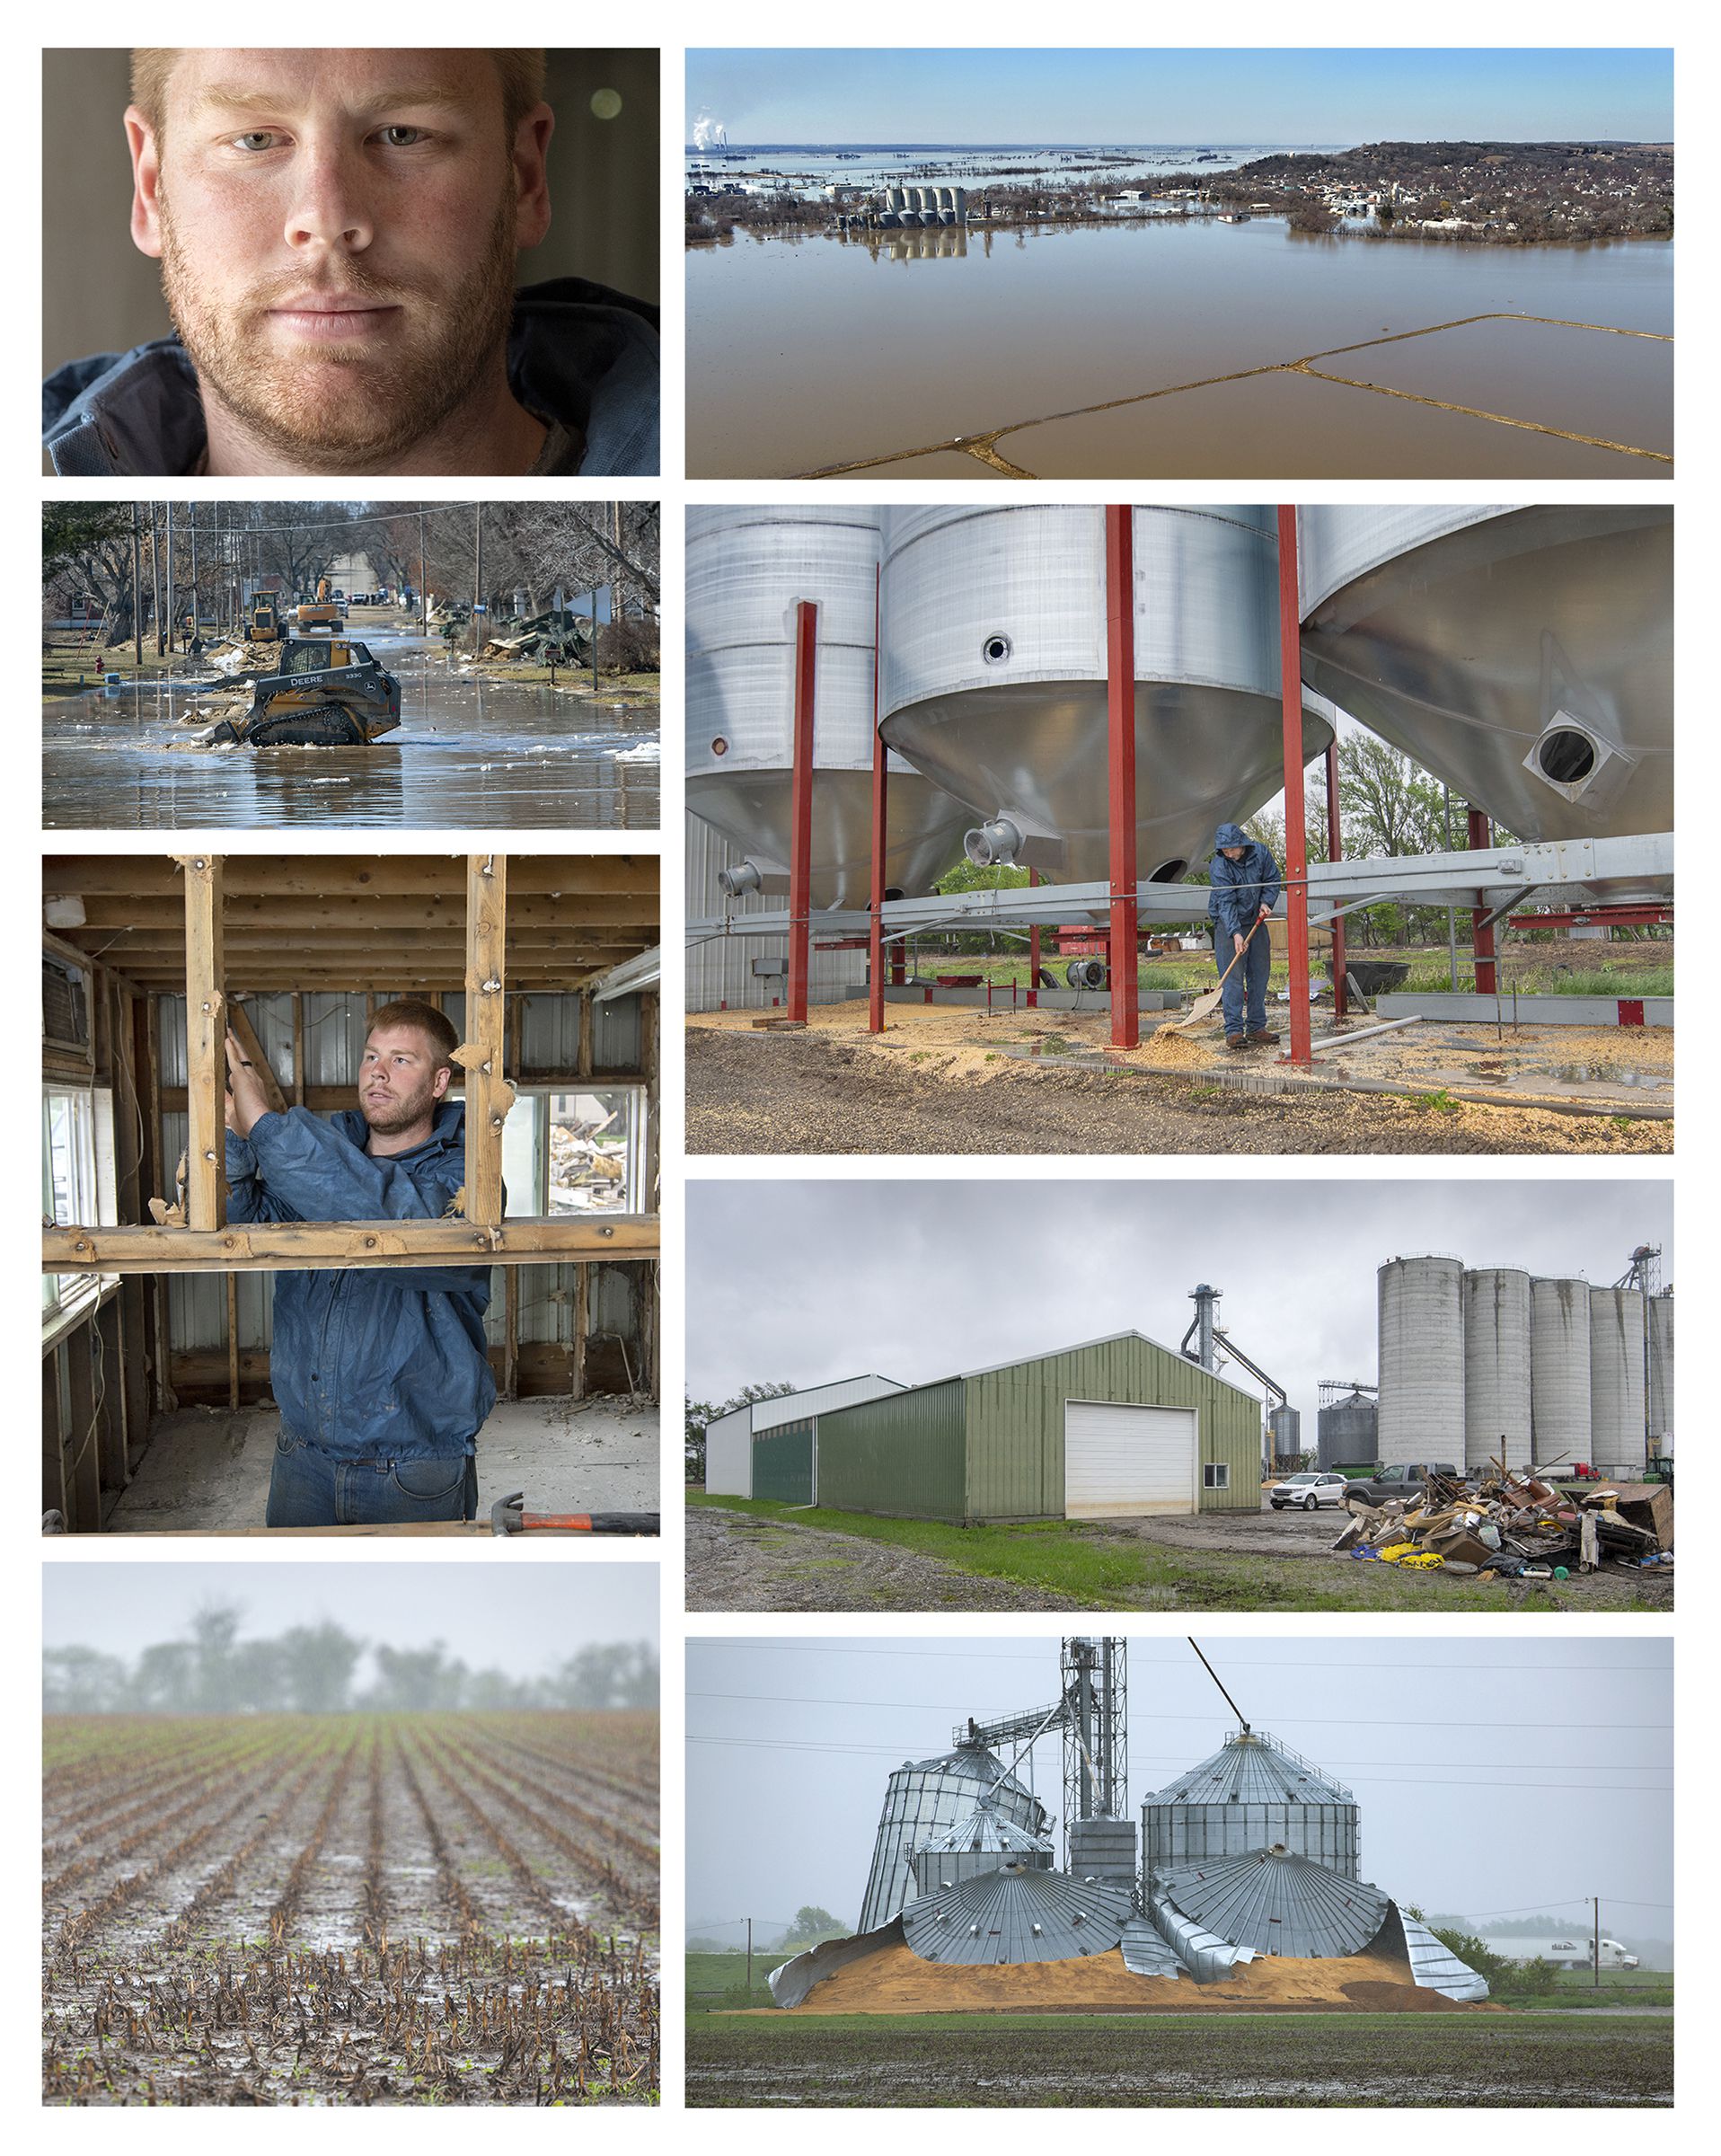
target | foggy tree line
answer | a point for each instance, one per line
(213, 549)
(312, 1669)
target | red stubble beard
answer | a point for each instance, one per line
(400, 1111)
(340, 406)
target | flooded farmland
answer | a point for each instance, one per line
(472, 752)
(809, 354)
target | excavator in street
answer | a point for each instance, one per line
(327, 695)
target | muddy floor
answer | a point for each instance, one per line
(351, 1909)
(1368, 2061)
(737, 1561)
(782, 1093)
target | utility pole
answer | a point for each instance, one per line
(172, 602)
(197, 610)
(137, 593)
(594, 640)
(749, 1955)
(477, 570)
(155, 579)
(1596, 1943)
(424, 604)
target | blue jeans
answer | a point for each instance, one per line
(1247, 976)
(311, 1488)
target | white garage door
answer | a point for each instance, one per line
(1124, 1460)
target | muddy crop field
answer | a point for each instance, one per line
(1358, 2060)
(351, 1909)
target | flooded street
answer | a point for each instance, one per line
(468, 752)
(814, 352)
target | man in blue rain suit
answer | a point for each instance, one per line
(1245, 888)
(380, 1375)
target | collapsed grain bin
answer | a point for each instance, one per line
(923, 1800)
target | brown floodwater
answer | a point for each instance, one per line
(806, 352)
(470, 753)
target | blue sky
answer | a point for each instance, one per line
(1183, 95)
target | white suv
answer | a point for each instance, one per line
(1307, 1490)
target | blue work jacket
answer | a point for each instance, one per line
(368, 1363)
(579, 357)
(1240, 889)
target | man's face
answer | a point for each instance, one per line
(337, 234)
(399, 1082)
(1231, 852)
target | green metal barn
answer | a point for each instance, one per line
(1112, 1429)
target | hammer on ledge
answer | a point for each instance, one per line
(509, 1516)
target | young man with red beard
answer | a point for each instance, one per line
(338, 234)
(382, 1376)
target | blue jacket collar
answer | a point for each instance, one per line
(449, 1130)
(578, 354)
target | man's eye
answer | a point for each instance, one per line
(258, 139)
(403, 138)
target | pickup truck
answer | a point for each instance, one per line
(1403, 1482)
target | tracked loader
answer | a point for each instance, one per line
(328, 695)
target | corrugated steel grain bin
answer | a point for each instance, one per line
(1111, 1430)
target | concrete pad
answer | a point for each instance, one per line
(206, 1468)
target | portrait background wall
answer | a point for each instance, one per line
(100, 295)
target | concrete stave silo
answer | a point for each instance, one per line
(1559, 1372)
(746, 568)
(1421, 1320)
(1617, 1379)
(1497, 1416)
(995, 671)
(1523, 655)
(1661, 1372)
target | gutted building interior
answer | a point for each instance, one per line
(156, 1410)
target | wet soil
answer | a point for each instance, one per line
(455, 1909)
(1466, 2060)
(737, 1561)
(805, 1093)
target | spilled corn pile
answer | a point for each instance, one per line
(351, 1909)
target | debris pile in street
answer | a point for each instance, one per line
(1505, 1525)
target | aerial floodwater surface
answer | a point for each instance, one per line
(811, 353)
(468, 752)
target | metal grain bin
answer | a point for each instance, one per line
(994, 676)
(1525, 655)
(747, 571)
(1285, 1424)
(1617, 1379)
(1346, 1433)
(1661, 1370)
(1421, 1316)
(1254, 1793)
(925, 1799)
(1559, 1372)
(1496, 1366)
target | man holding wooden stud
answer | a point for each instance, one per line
(382, 1376)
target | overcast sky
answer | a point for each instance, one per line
(1486, 1784)
(810, 1282)
(1239, 95)
(527, 1618)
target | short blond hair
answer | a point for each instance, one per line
(522, 72)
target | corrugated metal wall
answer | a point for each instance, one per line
(782, 1463)
(900, 1455)
(1015, 1425)
(720, 975)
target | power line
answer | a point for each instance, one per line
(773, 1646)
(1289, 1722)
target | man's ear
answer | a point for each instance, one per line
(530, 177)
(440, 1083)
(146, 183)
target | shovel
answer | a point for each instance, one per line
(1206, 1005)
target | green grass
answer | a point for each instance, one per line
(1102, 1572)
(1533, 980)
(719, 1981)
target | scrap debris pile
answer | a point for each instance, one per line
(561, 640)
(587, 1170)
(1505, 1525)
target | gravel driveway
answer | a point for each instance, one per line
(737, 1560)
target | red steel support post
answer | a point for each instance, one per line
(1120, 726)
(1335, 852)
(1481, 836)
(876, 924)
(800, 841)
(1296, 834)
(1034, 949)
